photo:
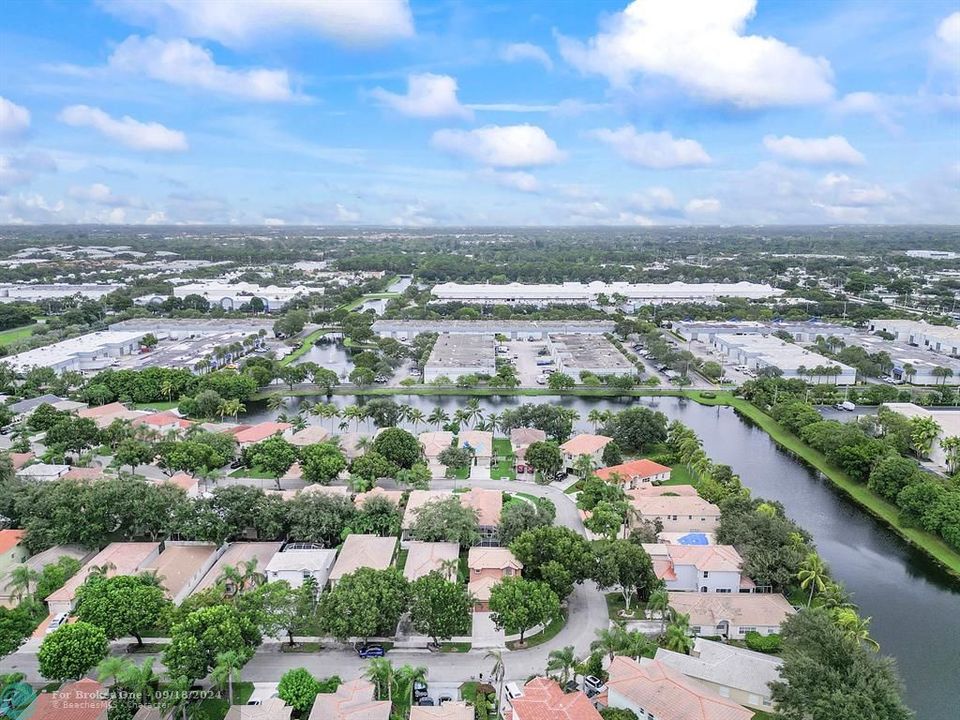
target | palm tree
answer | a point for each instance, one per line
(498, 671)
(227, 670)
(166, 389)
(562, 661)
(677, 637)
(493, 422)
(610, 640)
(834, 596)
(415, 417)
(638, 645)
(855, 627)
(659, 601)
(175, 697)
(450, 568)
(353, 413)
(583, 466)
(951, 448)
(112, 667)
(380, 673)
(595, 417)
(140, 680)
(20, 579)
(438, 417)
(461, 416)
(404, 679)
(275, 401)
(813, 573)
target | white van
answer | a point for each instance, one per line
(512, 690)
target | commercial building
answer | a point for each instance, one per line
(456, 355)
(743, 676)
(621, 294)
(576, 354)
(941, 339)
(515, 329)
(911, 364)
(652, 689)
(20, 292)
(88, 353)
(801, 332)
(757, 352)
(948, 420)
(231, 296)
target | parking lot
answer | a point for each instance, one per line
(524, 355)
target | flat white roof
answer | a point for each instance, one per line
(588, 291)
(66, 349)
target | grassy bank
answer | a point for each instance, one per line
(304, 347)
(428, 390)
(874, 504)
(14, 334)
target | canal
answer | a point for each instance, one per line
(913, 603)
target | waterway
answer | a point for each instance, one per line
(913, 603)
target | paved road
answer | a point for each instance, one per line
(587, 612)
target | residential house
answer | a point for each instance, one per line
(660, 490)
(182, 565)
(12, 554)
(456, 710)
(732, 615)
(488, 504)
(584, 444)
(353, 444)
(296, 564)
(425, 557)
(487, 567)
(655, 691)
(103, 415)
(23, 408)
(353, 700)
(43, 472)
(522, 438)
(636, 473)
(18, 460)
(310, 435)
(84, 699)
(544, 699)
(359, 551)
(252, 434)
(189, 484)
(480, 444)
(677, 513)
(434, 443)
(87, 474)
(36, 563)
(119, 558)
(163, 423)
(416, 500)
(741, 675)
(270, 709)
(239, 555)
(394, 496)
(699, 568)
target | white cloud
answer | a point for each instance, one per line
(653, 149)
(11, 175)
(701, 46)
(414, 215)
(654, 199)
(518, 52)
(100, 194)
(841, 190)
(515, 179)
(876, 106)
(702, 206)
(833, 150)
(245, 22)
(33, 208)
(344, 214)
(428, 95)
(180, 62)
(274, 222)
(501, 146)
(14, 119)
(127, 131)
(946, 44)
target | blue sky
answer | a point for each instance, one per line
(499, 113)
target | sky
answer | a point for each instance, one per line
(449, 113)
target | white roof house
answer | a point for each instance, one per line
(297, 564)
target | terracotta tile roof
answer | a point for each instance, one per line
(634, 469)
(759, 609)
(353, 700)
(270, 709)
(83, 473)
(261, 431)
(310, 435)
(9, 539)
(659, 505)
(182, 480)
(447, 711)
(668, 694)
(480, 440)
(585, 444)
(394, 496)
(419, 498)
(706, 557)
(434, 443)
(525, 436)
(21, 459)
(236, 555)
(480, 558)
(159, 419)
(360, 551)
(79, 700)
(125, 558)
(425, 557)
(480, 589)
(102, 410)
(542, 699)
(488, 504)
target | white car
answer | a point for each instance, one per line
(56, 622)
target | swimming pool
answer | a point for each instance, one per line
(693, 539)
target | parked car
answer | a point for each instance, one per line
(419, 690)
(445, 699)
(56, 622)
(425, 702)
(592, 685)
(238, 463)
(370, 651)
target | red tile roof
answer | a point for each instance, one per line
(543, 699)
(585, 444)
(79, 700)
(261, 431)
(635, 468)
(21, 459)
(9, 539)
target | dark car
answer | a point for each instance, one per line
(236, 464)
(370, 651)
(419, 690)
(425, 702)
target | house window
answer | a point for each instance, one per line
(706, 573)
(508, 572)
(723, 590)
(746, 628)
(695, 629)
(476, 571)
(306, 574)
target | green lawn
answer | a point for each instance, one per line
(158, 406)
(454, 647)
(216, 708)
(873, 503)
(304, 347)
(402, 559)
(679, 475)
(255, 473)
(549, 632)
(504, 467)
(615, 604)
(14, 334)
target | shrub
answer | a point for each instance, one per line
(763, 643)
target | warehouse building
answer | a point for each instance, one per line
(19, 292)
(456, 355)
(621, 294)
(88, 353)
(231, 296)
(801, 332)
(514, 329)
(757, 352)
(940, 339)
(575, 354)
